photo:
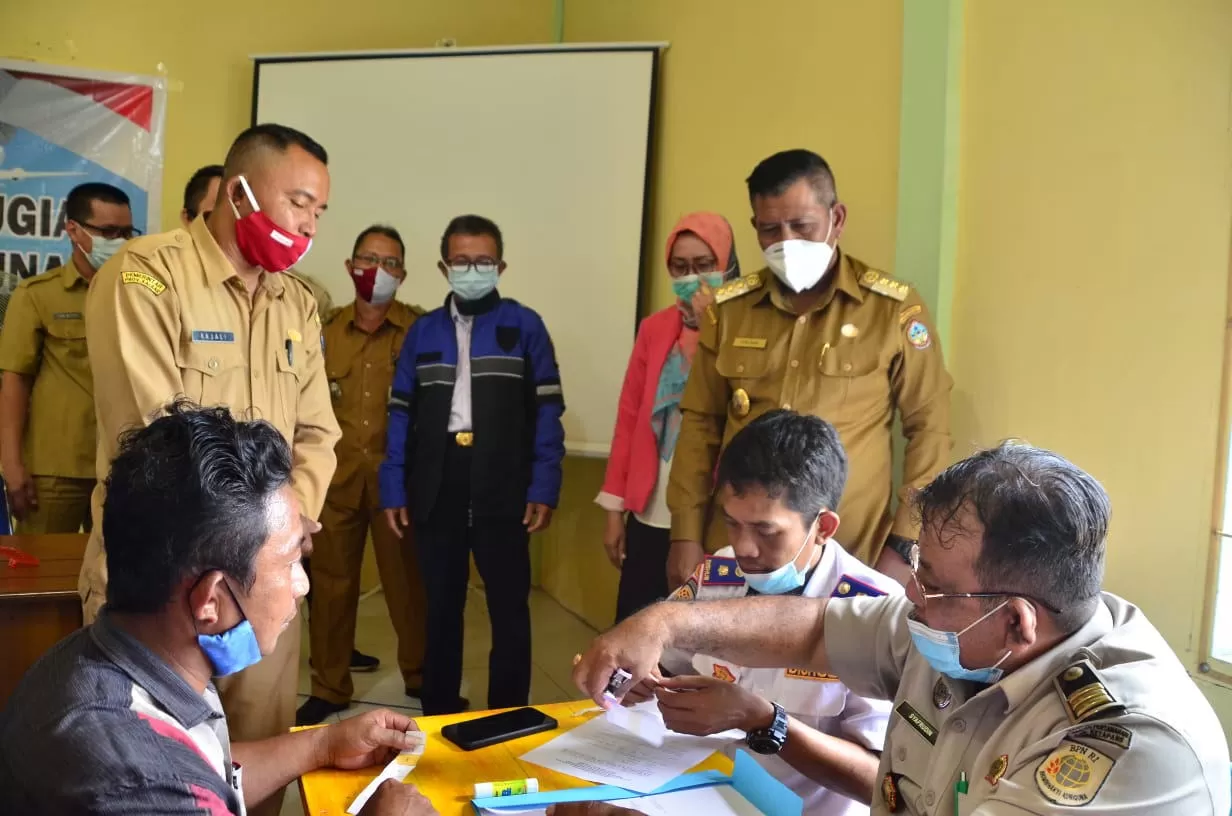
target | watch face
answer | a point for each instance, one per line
(764, 743)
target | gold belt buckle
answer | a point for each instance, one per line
(464, 439)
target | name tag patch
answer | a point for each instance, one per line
(213, 336)
(67, 315)
(142, 279)
(749, 342)
(805, 674)
(916, 720)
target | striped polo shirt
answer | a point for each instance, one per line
(101, 725)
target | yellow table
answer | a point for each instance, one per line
(447, 775)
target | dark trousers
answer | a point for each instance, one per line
(643, 576)
(454, 530)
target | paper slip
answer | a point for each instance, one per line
(646, 721)
(718, 800)
(601, 751)
(399, 769)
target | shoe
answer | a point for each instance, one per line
(316, 709)
(361, 662)
(460, 705)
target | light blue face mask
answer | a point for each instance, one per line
(786, 578)
(233, 650)
(102, 249)
(473, 282)
(686, 286)
(941, 650)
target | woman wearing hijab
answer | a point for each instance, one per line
(701, 254)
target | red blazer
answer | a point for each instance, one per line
(633, 465)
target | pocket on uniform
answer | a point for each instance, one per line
(742, 363)
(287, 388)
(68, 330)
(855, 380)
(207, 370)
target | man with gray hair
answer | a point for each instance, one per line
(1018, 686)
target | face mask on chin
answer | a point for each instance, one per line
(785, 579)
(263, 243)
(801, 264)
(942, 651)
(233, 650)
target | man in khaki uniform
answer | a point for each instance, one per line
(204, 312)
(362, 342)
(819, 332)
(47, 438)
(1018, 687)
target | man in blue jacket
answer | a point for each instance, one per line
(474, 452)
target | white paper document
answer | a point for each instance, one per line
(717, 800)
(398, 769)
(639, 756)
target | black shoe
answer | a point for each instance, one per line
(361, 662)
(460, 705)
(316, 709)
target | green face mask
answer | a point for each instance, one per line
(687, 286)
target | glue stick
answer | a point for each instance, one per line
(511, 787)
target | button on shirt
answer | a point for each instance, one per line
(44, 338)
(360, 368)
(102, 725)
(460, 406)
(1022, 750)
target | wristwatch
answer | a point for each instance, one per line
(900, 545)
(770, 740)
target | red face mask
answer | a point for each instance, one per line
(262, 242)
(374, 285)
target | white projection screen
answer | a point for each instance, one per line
(552, 143)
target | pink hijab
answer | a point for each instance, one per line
(715, 231)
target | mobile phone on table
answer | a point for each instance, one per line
(495, 728)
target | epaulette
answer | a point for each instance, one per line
(740, 286)
(1084, 694)
(884, 285)
(849, 587)
(718, 571)
(145, 246)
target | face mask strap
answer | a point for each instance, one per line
(248, 192)
(983, 618)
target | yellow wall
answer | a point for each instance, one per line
(740, 81)
(205, 48)
(1093, 266)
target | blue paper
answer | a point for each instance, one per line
(763, 791)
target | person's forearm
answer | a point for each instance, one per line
(14, 410)
(767, 632)
(271, 764)
(830, 761)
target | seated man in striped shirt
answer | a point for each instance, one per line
(204, 541)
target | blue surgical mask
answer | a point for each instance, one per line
(473, 282)
(233, 650)
(786, 578)
(941, 651)
(686, 286)
(102, 249)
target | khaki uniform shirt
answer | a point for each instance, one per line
(360, 368)
(1107, 722)
(168, 316)
(44, 338)
(862, 352)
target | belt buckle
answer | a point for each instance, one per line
(464, 439)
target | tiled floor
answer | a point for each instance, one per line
(556, 636)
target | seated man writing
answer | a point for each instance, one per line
(779, 481)
(204, 541)
(1018, 687)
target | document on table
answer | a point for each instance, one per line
(604, 752)
(717, 800)
(399, 769)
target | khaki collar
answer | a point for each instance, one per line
(71, 275)
(399, 314)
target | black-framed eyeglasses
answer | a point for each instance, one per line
(478, 264)
(389, 263)
(111, 233)
(697, 266)
(925, 596)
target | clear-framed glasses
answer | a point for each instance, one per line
(926, 596)
(111, 233)
(483, 265)
(389, 263)
(680, 267)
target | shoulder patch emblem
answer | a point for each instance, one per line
(1084, 695)
(849, 587)
(142, 279)
(718, 571)
(918, 336)
(884, 285)
(723, 673)
(1072, 774)
(740, 286)
(805, 674)
(1110, 733)
(685, 592)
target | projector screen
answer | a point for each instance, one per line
(550, 143)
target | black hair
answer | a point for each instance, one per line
(79, 206)
(774, 175)
(268, 136)
(188, 494)
(198, 185)
(795, 457)
(1044, 523)
(380, 229)
(473, 225)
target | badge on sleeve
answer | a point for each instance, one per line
(723, 673)
(1072, 774)
(718, 571)
(142, 279)
(687, 592)
(917, 335)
